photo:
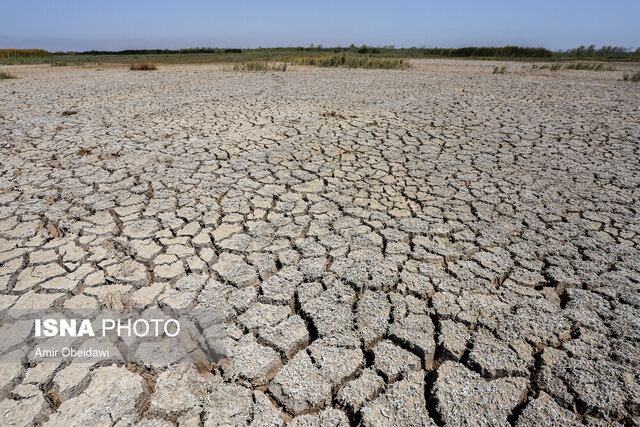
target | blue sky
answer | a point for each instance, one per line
(137, 24)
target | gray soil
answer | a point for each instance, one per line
(393, 248)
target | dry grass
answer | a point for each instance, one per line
(254, 66)
(5, 75)
(351, 61)
(67, 63)
(635, 77)
(23, 53)
(144, 66)
(575, 66)
(589, 67)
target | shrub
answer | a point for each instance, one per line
(577, 66)
(604, 51)
(67, 62)
(23, 53)
(588, 67)
(367, 50)
(635, 77)
(144, 66)
(5, 76)
(351, 61)
(258, 66)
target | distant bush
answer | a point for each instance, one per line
(6, 76)
(604, 51)
(501, 52)
(23, 53)
(367, 50)
(350, 61)
(258, 66)
(144, 66)
(186, 51)
(635, 77)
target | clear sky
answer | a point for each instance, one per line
(137, 24)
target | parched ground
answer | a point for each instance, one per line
(426, 247)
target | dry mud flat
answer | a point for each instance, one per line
(425, 247)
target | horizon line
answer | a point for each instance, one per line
(321, 46)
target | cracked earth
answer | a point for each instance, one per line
(424, 247)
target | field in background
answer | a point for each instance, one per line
(319, 55)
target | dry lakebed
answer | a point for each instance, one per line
(432, 246)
